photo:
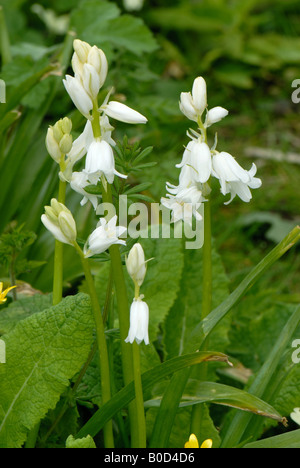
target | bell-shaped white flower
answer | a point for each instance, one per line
(117, 110)
(100, 161)
(198, 157)
(60, 222)
(233, 178)
(139, 322)
(78, 94)
(104, 236)
(184, 205)
(78, 182)
(136, 264)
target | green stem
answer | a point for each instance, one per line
(4, 39)
(102, 346)
(123, 312)
(139, 397)
(198, 410)
(58, 255)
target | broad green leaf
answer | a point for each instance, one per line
(86, 442)
(21, 309)
(128, 32)
(43, 352)
(99, 22)
(149, 378)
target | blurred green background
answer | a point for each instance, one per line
(249, 54)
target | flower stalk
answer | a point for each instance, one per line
(102, 345)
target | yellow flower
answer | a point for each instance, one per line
(193, 443)
(4, 293)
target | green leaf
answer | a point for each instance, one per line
(149, 378)
(21, 309)
(289, 440)
(177, 384)
(99, 22)
(128, 32)
(240, 426)
(43, 352)
(86, 442)
(201, 392)
(202, 331)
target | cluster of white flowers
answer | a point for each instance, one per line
(200, 162)
(90, 68)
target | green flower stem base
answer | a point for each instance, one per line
(198, 410)
(102, 346)
(123, 311)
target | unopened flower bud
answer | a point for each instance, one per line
(57, 131)
(66, 125)
(68, 226)
(53, 146)
(82, 49)
(65, 144)
(136, 265)
(60, 222)
(215, 115)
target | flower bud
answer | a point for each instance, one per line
(57, 131)
(215, 115)
(65, 144)
(66, 125)
(117, 110)
(68, 226)
(199, 93)
(78, 94)
(136, 265)
(82, 49)
(60, 222)
(53, 146)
